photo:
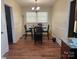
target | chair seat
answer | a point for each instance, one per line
(28, 30)
(45, 31)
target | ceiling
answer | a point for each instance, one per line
(25, 3)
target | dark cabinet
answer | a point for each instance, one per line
(68, 52)
(64, 51)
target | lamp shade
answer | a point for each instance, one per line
(33, 8)
(38, 8)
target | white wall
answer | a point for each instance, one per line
(17, 27)
(60, 20)
(4, 39)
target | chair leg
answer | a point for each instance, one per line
(48, 35)
(32, 35)
(40, 41)
(25, 35)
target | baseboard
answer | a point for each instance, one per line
(57, 41)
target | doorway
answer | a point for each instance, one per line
(8, 23)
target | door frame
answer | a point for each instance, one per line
(12, 24)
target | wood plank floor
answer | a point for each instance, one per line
(25, 49)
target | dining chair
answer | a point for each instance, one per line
(47, 31)
(38, 35)
(27, 31)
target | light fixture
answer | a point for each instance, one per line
(33, 8)
(36, 8)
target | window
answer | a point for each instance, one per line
(32, 17)
(42, 17)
